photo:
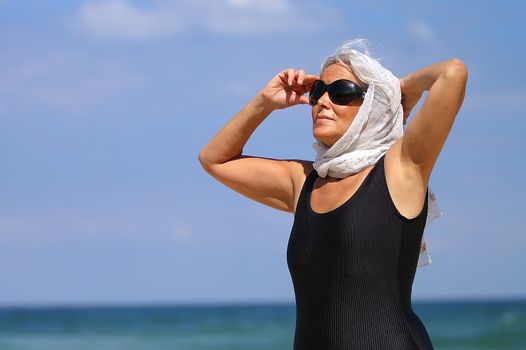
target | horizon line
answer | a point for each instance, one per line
(229, 303)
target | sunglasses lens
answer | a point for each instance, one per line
(343, 92)
(317, 91)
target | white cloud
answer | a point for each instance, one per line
(46, 225)
(119, 19)
(182, 231)
(40, 227)
(68, 82)
(270, 6)
(238, 88)
(501, 103)
(421, 31)
(10, 226)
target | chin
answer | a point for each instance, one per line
(323, 137)
(325, 142)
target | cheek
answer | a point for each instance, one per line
(344, 116)
(313, 111)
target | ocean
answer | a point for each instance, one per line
(452, 325)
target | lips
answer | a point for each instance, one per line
(322, 117)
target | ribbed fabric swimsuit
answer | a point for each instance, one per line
(353, 268)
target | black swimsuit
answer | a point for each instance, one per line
(353, 268)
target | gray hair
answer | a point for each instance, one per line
(354, 55)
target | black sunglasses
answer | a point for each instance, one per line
(341, 92)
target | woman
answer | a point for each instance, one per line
(360, 208)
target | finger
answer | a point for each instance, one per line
(298, 98)
(310, 78)
(286, 72)
(290, 76)
(300, 76)
(283, 76)
(304, 100)
(308, 82)
(306, 88)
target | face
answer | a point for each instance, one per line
(331, 121)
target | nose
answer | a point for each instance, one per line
(324, 100)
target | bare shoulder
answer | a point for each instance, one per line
(405, 182)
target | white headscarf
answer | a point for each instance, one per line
(376, 127)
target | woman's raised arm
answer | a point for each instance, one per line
(268, 181)
(427, 132)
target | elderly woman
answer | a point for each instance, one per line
(361, 207)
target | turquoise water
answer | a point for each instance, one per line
(452, 325)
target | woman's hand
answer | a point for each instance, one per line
(288, 88)
(410, 98)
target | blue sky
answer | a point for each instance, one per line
(104, 106)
